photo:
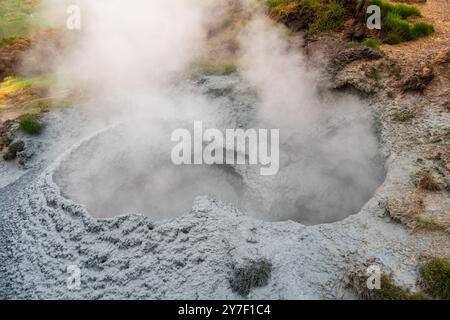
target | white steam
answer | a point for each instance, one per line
(129, 59)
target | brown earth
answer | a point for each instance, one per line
(11, 56)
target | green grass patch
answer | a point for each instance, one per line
(422, 29)
(373, 42)
(327, 14)
(391, 291)
(400, 9)
(399, 22)
(14, 84)
(435, 277)
(30, 124)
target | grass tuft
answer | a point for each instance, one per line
(329, 15)
(426, 181)
(11, 85)
(391, 291)
(30, 124)
(422, 29)
(400, 9)
(435, 277)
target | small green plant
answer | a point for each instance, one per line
(404, 10)
(373, 42)
(397, 25)
(394, 22)
(325, 14)
(7, 41)
(389, 290)
(256, 273)
(329, 15)
(435, 277)
(422, 29)
(18, 17)
(30, 124)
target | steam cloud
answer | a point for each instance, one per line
(129, 59)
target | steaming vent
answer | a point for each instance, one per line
(140, 61)
(122, 171)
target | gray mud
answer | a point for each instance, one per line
(46, 227)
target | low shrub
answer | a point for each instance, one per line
(30, 124)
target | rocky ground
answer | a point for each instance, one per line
(201, 254)
(408, 86)
(215, 251)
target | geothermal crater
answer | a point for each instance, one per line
(128, 169)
